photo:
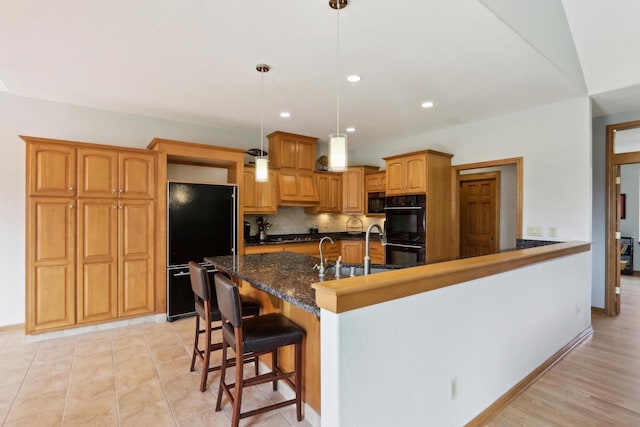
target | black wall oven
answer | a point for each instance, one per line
(405, 229)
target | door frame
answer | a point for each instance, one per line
(612, 267)
(485, 176)
(455, 191)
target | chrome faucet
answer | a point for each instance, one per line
(367, 258)
(321, 267)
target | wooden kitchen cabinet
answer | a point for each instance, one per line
(89, 259)
(50, 273)
(376, 252)
(51, 169)
(113, 173)
(375, 182)
(115, 259)
(297, 188)
(260, 197)
(288, 150)
(329, 193)
(352, 251)
(406, 175)
(353, 194)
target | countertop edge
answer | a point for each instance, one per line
(339, 296)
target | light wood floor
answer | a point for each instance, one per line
(597, 384)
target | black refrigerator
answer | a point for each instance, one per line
(201, 221)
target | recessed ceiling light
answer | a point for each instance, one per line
(354, 78)
(285, 114)
(427, 104)
(351, 129)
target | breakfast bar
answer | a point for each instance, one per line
(281, 282)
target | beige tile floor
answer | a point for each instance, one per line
(132, 376)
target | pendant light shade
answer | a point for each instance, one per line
(338, 148)
(262, 163)
(338, 152)
(262, 169)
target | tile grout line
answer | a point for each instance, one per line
(21, 383)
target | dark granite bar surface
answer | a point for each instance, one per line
(286, 275)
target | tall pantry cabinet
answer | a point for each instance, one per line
(90, 233)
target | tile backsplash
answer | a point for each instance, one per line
(294, 220)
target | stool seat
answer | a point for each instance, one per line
(264, 333)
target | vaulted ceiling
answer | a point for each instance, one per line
(195, 60)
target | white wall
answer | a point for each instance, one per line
(554, 141)
(391, 364)
(25, 116)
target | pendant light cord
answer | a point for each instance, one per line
(338, 70)
(261, 113)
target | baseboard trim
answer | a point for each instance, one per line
(494, 409)
(12, 328)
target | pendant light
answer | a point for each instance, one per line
(338, 141)
(262, 167)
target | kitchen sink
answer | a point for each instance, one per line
(358, 270)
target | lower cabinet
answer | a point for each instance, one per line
(376, 252)
(51, 267)
(89, 261)
(352, 251)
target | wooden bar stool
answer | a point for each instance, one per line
(252, 337)
(207, 309)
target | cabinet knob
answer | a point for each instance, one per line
(115, 207)
(115, 190)
(121, 190)
(71, 206)
(71, 188)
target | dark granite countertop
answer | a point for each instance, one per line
(278, 239)
(286, 275)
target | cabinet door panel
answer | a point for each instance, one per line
(306, 156)
(137, 175)
(135, 257)
(416, 174)
(395, 177)
(353, 191)
(97, 259)
(50, 263)
(288, 152)
(352, 252)
(51, 170)
(307, 186)
(98, 172)
(250, 190)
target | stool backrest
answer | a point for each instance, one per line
(199, 282)
(228, 300)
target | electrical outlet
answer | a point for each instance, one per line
(453, 388)
(534, 231)
(553, 231)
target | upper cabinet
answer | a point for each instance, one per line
(297, 188)
(52, 169)
(107, 173)
(330, 193)
(288, 150)
(375, 182)
(295, 155)
(406, 174)
(409, 173)
(260, 197)
(353, 194)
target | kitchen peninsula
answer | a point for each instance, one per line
(359, 314)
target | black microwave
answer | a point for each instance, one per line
(375, 203)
